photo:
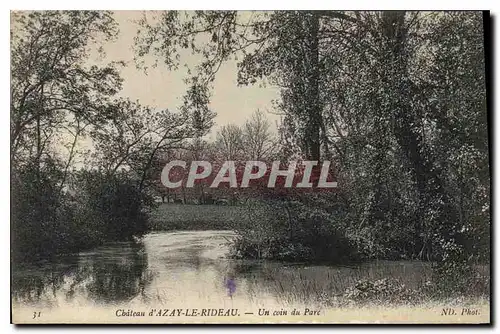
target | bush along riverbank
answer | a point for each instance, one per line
(48, 221)
(312, 230)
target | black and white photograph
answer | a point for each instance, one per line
(250, 167)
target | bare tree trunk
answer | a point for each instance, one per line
(71, 155)
(312, 88)
(313, 103)
(38, 134)
(183, 195)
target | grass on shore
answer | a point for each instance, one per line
(373, 283)
(169, 217)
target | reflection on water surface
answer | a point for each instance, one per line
(173, 267)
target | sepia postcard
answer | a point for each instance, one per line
(250, 167)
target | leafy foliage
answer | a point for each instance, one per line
(56, 96)
(396, 99)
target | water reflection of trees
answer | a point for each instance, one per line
(109, 275)
(40, 282)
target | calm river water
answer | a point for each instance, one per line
(189, 268)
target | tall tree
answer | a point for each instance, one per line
(53, 90)
(272, 46)
(258, 139)
(382, 93)
(229, 142)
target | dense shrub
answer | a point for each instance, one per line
(48, 220)
(38, 210)
(291, 231)
(112, 205)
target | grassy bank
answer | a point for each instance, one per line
(371, 283)
(171, 216)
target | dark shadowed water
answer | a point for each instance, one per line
(189, 267)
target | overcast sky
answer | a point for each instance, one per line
(164, 89)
